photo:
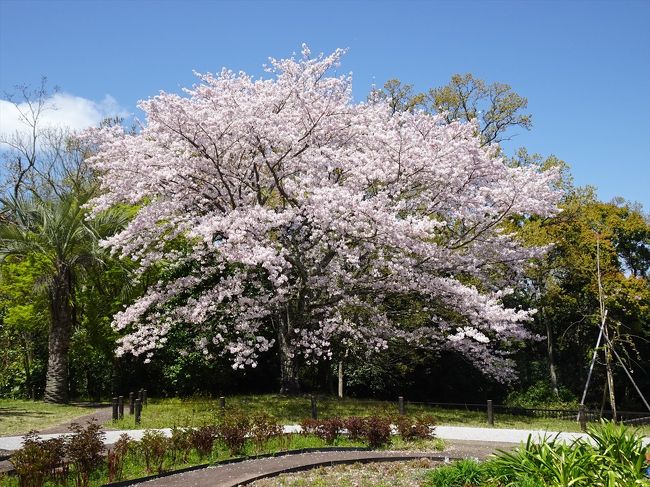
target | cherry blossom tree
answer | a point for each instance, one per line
(289, 216)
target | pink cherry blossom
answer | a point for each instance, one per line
(298, 214)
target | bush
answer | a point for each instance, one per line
(356, 428)
(85, 448)
(415, 428)
(233, 430)
(154, 446)
(37, 460)
(116, 456)
(202, 439)
(265, 427)
(540, 395)
(377, 431)
(180, 444)
(329, 430)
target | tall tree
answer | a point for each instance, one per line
(286, 214)
(495, 107)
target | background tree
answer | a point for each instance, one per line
(564, 282)
(24, 322)
(495, 107)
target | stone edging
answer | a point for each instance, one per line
(126, 483)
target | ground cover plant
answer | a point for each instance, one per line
(385, 474)
(19, 416)
(80, 459)
(614, 458)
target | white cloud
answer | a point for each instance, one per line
(63, 110)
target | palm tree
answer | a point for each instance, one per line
(56, 229)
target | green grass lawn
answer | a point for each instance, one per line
(18, 416)
(164, 413)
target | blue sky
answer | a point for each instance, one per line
(584, 66)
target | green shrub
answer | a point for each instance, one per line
(615, 459)
(540, 395)
(463, 473)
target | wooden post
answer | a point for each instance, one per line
(490, 413)
(138, 411)
(314, 408)
(144, 397)
(115, 409)
(582, 417)
(131, 403)
(400, 405)
(141, 394)
(120, 407)
(222, 405)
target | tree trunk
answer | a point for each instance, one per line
(62, 317)
(551, 358)
(341, 378)
(289, 383)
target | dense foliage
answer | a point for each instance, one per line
(614, 457)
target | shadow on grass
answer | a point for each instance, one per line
(11, 412)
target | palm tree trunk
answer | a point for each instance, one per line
(62, 317)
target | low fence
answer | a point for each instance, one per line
(582, 414)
